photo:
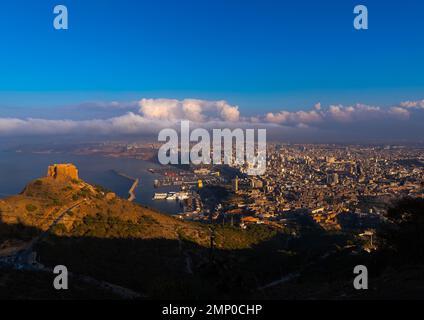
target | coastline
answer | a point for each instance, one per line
(95, 169)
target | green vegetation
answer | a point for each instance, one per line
(105, 226)
(99, 188)
(30, 207)
(59, 229)
(57, 202)
(83, 193)
(229, 237)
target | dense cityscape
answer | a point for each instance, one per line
(337, 186)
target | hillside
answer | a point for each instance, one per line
(107, 242)
(93, 232)
(100, 213)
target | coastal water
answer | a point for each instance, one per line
(17, 169)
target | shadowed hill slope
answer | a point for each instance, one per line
(93, 232)
(111, 240)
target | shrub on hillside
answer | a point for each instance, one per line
(30, 208)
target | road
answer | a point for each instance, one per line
(24, 256)
(22, 260)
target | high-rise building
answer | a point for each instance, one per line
(235, 184)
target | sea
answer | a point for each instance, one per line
(19, 168)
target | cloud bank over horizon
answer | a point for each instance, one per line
(148, 116)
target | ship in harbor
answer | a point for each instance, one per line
(160, 196)
(171, 196)
(181, 195)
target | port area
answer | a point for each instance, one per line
(190, 201)
(192, 183)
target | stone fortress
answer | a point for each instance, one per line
(63, 171)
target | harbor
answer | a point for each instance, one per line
(190, 201)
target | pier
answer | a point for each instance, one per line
(131, 193)
(136, 181)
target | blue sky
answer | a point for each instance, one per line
(256, 54)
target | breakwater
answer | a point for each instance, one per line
(136, 181)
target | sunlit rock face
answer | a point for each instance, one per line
(61, 171)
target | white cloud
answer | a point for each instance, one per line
(188, 109)
(227, 112)
(294, 118)
(400, 112)
(413, 104)
(356, 112)
(320, 116)
(129, 123)
(151, 115)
